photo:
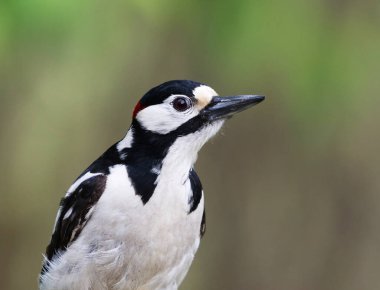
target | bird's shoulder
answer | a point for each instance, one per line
(74, 211)
(77, 205)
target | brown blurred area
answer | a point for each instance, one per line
(292, 187)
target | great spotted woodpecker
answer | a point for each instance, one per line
(134, 218)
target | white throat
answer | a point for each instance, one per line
(184, 152)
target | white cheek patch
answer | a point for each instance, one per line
(203, 94)
(163, 118)
(126, 142)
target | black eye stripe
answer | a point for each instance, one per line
(181, 104)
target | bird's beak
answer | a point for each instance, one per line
(224, 107)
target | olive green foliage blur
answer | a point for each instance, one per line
(292, 186)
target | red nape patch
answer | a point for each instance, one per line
(137, 109)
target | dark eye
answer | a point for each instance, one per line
(181, 104)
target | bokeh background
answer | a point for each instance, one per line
(292, 186)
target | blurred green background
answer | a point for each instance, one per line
(292, 186)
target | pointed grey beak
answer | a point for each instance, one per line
(224, 107)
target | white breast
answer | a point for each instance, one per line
(128, 245)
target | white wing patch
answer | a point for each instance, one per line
(126, 142)
(78, 182)
(68, 213)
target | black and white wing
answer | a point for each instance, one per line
(75, 210)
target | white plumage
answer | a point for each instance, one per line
(133, 220)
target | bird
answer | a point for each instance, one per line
(133, 220)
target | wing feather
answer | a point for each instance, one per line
(75, 211)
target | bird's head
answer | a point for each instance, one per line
(183, 107)
(170, 124)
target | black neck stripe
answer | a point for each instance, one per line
(147, 152)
